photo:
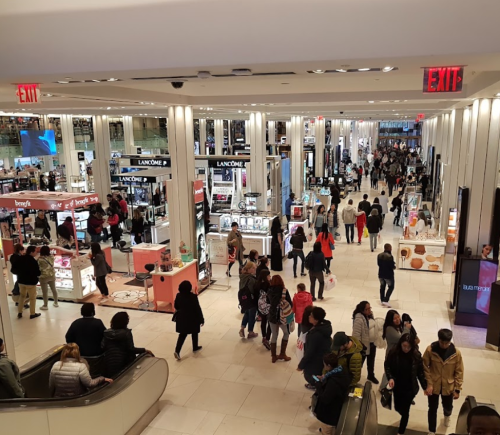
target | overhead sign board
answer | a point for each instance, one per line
(28, 94)
(157, 162)
(230, 164)
(132, 179)
(443, 79)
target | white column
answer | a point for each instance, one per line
(219, 136)
(355, 141)
(288, 132)
(69, 158)
(346, 132)
(203, 135)
(297, 146)
(229, 141)
(100, 166)
(181, 208)
(258, 174)
(5, 322)
(319, 169)
(271, 132)
(335, 135)
(128, 135)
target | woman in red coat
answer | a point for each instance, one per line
(327, 242)
(360, 224)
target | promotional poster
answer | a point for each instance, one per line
(201, 245)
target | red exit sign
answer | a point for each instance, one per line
(443, 79)
(28, 94)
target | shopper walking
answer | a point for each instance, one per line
(248, 298)
(276, 245)
(404, 370)
(28, 273)
(335, 194)
(70, 376)
(137, 226)
(393, 329)
(95, 226)
(319, 218)
(101, 269)
(10, 377)
(375, 177)
(280, 317)
(327, 244)
(297, 241)
(375, 340)
(384, 204)
(365, 205)
(397, 205)
(354, 176)
(47, 277)
(235, 241)
(317, 265)
(361, 325)
(367, 167)
(374, 226)
(360, 224)
(114, 222)
(188, 317)
(14, 269)
(444, 371)
(349, 351)
(386, 267)
(318, 344)
(360, 177)
(332, 220)
(288, 205)
(349, 215)
(261, 288)
(301, 300)
(87, 332)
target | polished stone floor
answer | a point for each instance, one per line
(232, 387)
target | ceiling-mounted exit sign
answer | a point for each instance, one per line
(443, 79)
(28, 94)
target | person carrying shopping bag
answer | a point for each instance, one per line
(374, 225)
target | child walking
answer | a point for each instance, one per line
(360, 225)
(301, 300)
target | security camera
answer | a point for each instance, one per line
(177, 85)
(341, 113)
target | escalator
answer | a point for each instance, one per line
(359, 416)
(124, 407)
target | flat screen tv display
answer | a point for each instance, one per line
(38, 143)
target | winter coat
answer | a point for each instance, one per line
(384, 202)
(386, 265)
(318, 263)
(374, 224)
(301, 300)
(249, 281)
(332, 393)
(349, 214)
(417, 370)
(235, 239)
(361, 330)
(46, 265)
(335, 196)
(392, 336)
(318, 344)
(10, 379)
(332, 219)
(397, 202)
(93, 223)
(297, 242)
(325, 244)
(274, 295)
(378, 207)
(119, 350)
(446, 376)
(137, 226)
(361, 221)
(189, 315)
(28, 270)
(352, 360)
(100, 265)
(113, 220)
(87, 333)
(71, 378)
(14, 263)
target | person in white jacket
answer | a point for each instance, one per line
(71, 376)
(364, 329)
(384, 202)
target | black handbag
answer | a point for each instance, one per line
(290, 255)
(386, 399)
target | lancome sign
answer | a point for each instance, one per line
(157, 162)
(230, 164)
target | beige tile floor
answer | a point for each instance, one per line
(232, 387)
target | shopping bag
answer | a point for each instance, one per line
(299, 350)
(310, 234)
(386, 399)
(232, 254)
(330, 282)
(365, 233)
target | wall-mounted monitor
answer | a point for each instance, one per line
(38, 143)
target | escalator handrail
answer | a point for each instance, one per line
(34, 364)
(365, 407)
(81, 400)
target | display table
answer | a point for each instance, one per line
(146, 253)
(294, 224)
(425, 255)
(262, 244)
(166, 284)
(160, 232)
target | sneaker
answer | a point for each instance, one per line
(314, 299)
(252, 335)
(447, 422)
(242, 332)
(359, 243)
(295, 276)
(321, 298)
(373, 380)
(372, 250)
(196, 349)
(386, 305)
(34, 316)
(44, 307)
(19, 315)
(310, 387)
(26, 306)
(266, 343)
(303, 274)
(56, 305)
(177, 356)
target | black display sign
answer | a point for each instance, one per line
(158, 162)
(125, 178)
(81, 156)
(6, 180)
(139, 150)
(227, 164)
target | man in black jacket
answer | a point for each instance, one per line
(365, 205)
(87, 332)
(27, 277)
(317, 264)
(386, 267)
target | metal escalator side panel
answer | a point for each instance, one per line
(367, 420)
(349, 415)
(469, 404)
(34, 364)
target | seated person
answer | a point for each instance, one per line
(349, 352)
(10, 379)
(118, 345)
(70, 376)
(87, 332)
(64, 238)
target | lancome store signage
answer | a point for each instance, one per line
(132, 179)
(158, 162)
(229, 164)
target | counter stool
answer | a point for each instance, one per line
(126, 250)
(146, 305)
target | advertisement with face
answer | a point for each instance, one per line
(201, 245)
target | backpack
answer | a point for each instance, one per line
(245, 298)
(285, 311)
(308, 261)
(263, 303)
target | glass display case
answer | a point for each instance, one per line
(258, 223)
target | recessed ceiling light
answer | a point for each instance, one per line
(341, 70)
(67, 78)
(62, 82)
(108, 108)
(152, 104)
(318, 71)
(48, 95)
(123, 107)
(371, 102)
(96, 81)
(387, 68)
(363, 69)
(239, 111)
(497, 95)
(112, 79)
(396, 101)
(253, 104)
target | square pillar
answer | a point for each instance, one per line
(297, 157)
(100, 166)
(258, 170)
(128, 135)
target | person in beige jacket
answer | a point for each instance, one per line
(349, 214)
(444, 372)
(234, 240)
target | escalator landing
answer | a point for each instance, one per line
(393, 430)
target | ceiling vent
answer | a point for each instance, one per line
(242, 72)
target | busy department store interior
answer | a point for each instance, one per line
(282, 219)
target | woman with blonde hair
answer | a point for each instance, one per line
(248, 299)
(71, 376)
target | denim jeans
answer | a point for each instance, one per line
(249, 318)
(373, 240)
(349, 227)
(384, 297)
(298, 253)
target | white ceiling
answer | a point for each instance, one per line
(98, 39)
